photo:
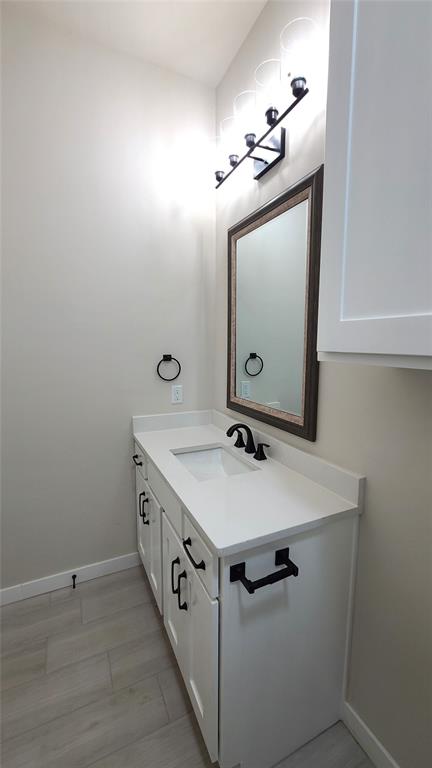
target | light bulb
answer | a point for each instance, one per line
(245, 115)
(270, 100)
(230, 143)
(300, 49)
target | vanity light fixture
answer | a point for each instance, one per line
(271, 115)
(271, 144)
(298, 86)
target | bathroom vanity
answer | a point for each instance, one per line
(251, 564)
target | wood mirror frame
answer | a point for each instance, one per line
(304, 426)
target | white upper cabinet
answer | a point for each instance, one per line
(376, 257)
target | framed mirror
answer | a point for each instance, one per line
(273, 281)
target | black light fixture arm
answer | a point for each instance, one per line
(269, 149)
(260, 159)
(221, 176)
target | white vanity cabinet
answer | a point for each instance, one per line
(259, 633)
(375, 302)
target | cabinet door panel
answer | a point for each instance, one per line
(143, 537)
(376, 271)
(202, 660)
(176, 621)
(154, 559)
(193, 633)
(282, 649)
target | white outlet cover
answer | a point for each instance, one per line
(177, 393)
(245, 389)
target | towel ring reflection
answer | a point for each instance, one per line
(254, 356)
(168, 359)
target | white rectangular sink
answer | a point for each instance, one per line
(211, 462)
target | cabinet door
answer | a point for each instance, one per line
(282, 649)
(143, 535)
(191, 620)
(376, 270)
(154, 554)
(202, 663)
(176, 593)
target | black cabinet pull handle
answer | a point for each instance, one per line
(238, 572)
(141, 508)
(142, 513)
(137, 463)
(182, 606)
(176, 561)
(199, 566)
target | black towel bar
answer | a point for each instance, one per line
(238, 572)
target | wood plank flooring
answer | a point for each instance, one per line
(88, 678)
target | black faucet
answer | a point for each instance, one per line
(260, 452)
(250, 445)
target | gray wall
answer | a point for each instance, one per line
(375, 421)
(107, 240)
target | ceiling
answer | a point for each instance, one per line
(197, 38)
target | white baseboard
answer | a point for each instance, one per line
(10, 594)
(64, 579)
(367, 740)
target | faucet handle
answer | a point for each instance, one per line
(239, 443)
(259, 454)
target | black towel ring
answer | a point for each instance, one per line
(168, 359)
(254, 356)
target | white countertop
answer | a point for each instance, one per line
(241, 511)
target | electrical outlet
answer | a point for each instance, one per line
(177, 393)
(245, 389)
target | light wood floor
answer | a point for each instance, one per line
(88, 679)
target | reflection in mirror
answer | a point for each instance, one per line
(274, 265)
(271, 310)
